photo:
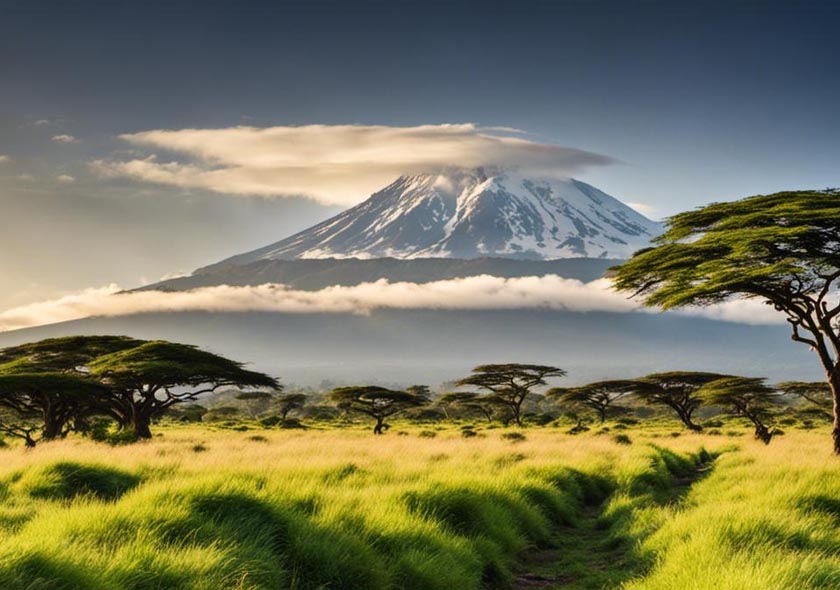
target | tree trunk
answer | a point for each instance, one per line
(52, 427)
(380, 422)
(762, 433)
(141, 425)
(834, 384)
(686, 419)
(602, 414)
(515, 410)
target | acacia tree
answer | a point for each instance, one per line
(510, 384)
(50, 377)
(422, 390)
(817, 393)
(599, 396)
(469, 400)
(676, 390)
(377, 402)
(59, 401)
(782, 248)
(148, 379)
(69, 354)
(289, 402)
(748, 397)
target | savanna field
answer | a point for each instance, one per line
(417, 295)
(633, 506)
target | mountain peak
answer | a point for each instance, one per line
(473, 213)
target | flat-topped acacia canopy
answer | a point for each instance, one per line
(168, 364)
(376, 402)
(749, 397)
(510, 383)
(67, 354)
(783, 248)
(134, 380)
(599, 396)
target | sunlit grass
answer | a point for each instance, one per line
(766, 518)
(340, 508)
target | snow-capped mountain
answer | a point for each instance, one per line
(471, 214)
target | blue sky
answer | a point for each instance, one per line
(698, 101)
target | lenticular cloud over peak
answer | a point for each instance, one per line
(333, 164)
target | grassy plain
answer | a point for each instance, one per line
(199, 508)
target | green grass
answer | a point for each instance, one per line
(764, 519)
(341, 509)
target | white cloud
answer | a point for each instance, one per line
(480, 292)
(64, 138)
(65, 178)
(4, 159)
(42, 122)
(742, 311)
(334, 164)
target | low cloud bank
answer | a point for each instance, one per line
(333, 164)
(471, 293)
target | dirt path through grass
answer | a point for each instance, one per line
(591, 556)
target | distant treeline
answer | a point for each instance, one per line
(114, 387)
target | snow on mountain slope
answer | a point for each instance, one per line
(471, 214)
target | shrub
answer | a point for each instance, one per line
(271, 421)
(292, 423)
(100, 429)
(514, 436)
(622, 439)
(121, 437)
